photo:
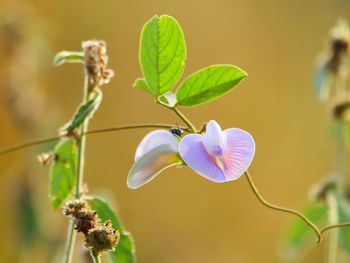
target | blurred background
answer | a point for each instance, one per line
(179, 217)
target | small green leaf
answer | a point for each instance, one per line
(298, 236)
(169, 99)
(68, 57)
(84, 111)
(63, 171)
(141, 83)
(344, 216)
(208, 84)
(162, 53)
(125, 251)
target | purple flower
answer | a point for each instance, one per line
(217, 155)
(157, 151)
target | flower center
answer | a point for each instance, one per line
(219, 163)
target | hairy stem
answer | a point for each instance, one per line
(96, 131)
(282, 209)
(80, 173)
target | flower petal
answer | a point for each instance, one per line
(195, 155)
(151, 164)
(154, 139)
(214, 139)
(239, 153)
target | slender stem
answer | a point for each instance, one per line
(184, 119)
(333, 219)
(71, 235)
(28, 144)
(340, 157)
(282, 209)
(137, 126)
(80, 173)
(102, 130)
(95, 258)
(82, 144)
(191, 127)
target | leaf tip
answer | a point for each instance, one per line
(68, 57)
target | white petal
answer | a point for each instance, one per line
(154, 139)
(214, 139)
(151, 164)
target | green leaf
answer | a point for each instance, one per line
(162, 53)
(84, 111)
(298, 236)
(208, 84)
(141, 83)
(125, 251)
(68, 57)
(344, 216)
(63, 171)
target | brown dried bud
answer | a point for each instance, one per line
(102, 239)
(46, 158)
(96, 59)
(72, 208)
(84, 218)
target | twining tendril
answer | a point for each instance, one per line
(334, 226)
(282, 209)
(318, 232)
(102, 130)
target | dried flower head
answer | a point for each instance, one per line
(84, 217)
(102, 239)
(99, 238)
(96, 59)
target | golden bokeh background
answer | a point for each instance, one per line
(179, 217)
